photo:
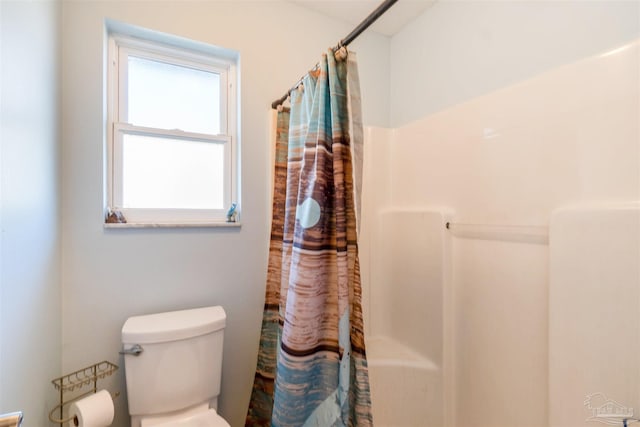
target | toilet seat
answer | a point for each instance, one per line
(208, 418)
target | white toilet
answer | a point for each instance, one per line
(173, 366)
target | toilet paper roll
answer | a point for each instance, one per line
(95, 410)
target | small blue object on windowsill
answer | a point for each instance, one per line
(232, 213)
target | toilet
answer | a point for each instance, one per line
(173, 367)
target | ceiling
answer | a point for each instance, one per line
(354, 11)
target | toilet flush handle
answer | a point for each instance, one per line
(136, 349)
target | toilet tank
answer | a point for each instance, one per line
(181, 362)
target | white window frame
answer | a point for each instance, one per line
(119, 49)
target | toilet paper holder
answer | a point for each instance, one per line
(77, 380)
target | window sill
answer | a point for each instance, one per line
(210, 224)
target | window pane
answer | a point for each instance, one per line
(172, 173)
(169, 96)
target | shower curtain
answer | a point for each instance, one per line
(312, 368)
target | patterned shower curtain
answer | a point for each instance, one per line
(312, 367)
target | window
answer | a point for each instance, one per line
(172, 146)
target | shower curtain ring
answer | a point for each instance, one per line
(341, 54)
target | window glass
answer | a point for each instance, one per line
(169, 96)
(161, 172)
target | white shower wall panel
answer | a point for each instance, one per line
(409, 266)
(376, 176)
(513, 156)
(406, 346)
(500, 333)
(594, 330)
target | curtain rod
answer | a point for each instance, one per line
(373, 16)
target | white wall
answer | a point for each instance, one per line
(109, 275)
(30, 325)
(1, 126)
(458, 50)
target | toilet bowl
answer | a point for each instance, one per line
(198, 416)
(173, 367)
(209, 418)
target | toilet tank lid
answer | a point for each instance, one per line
(173, 325)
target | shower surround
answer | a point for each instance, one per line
(469, 330)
